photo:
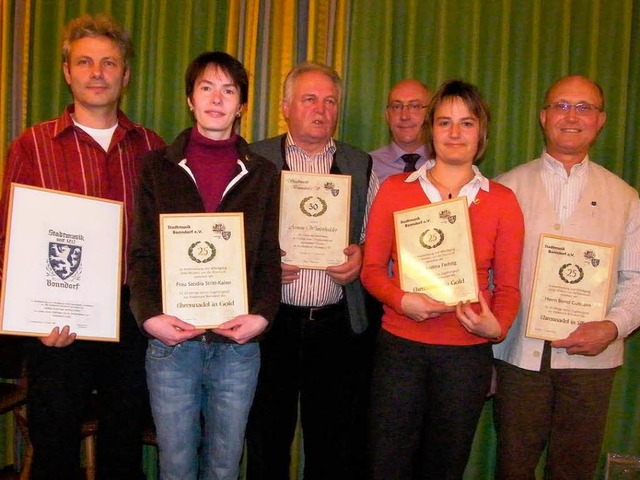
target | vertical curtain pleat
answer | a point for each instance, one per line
(371, 37)
(631, 156)
(5, 71)
(15, 37)
(249, 54)
(340, 37)
(280, 35)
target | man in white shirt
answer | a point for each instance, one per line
(556, 393)
(405, 114)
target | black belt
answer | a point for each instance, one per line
(313, 313)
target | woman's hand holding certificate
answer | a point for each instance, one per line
(420, 306)
(435, 251)
(484, 324)
(170, 330)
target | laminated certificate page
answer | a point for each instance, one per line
(570, 287)
(314, 219)
(204, 277)
(435, 251)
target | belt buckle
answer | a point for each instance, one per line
(311, 311)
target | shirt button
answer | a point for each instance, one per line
(556, 226)
(536, 354)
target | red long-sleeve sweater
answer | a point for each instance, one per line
(497, 228)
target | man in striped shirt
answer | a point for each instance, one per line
(315, 349)
(91, 149)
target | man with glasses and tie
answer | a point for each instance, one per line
(556, 393)
(405, 114)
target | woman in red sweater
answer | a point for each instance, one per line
(433, 362)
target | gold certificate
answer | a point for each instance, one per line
(435, 251)
(314, 219)
(570, 286)
(204, 280)
(62, 264)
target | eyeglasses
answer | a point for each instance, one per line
(582, 108)
(411, 107)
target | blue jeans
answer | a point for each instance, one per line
(214, 380)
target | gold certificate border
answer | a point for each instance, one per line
(460, 206)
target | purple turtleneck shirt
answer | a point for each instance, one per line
(213, 164)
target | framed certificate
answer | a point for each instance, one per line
(435, 251)
(204, 277)
(570, 286)
(314, 219)
(62, 264)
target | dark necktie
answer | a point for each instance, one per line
(410, 160)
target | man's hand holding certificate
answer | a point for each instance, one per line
(571, 286)
(62, 267)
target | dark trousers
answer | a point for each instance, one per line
(60, 382)
(319, 361)
(566, 408)
(425, 404)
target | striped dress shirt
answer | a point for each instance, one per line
(564, 191)
(314, 288)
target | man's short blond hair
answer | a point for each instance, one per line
(100, 25)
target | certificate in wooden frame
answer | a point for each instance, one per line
(62, 264)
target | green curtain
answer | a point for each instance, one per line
(512, 49)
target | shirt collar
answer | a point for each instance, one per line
(478, 178)
(329, 147)
(557, 168)
(66, 121)
(397, 152)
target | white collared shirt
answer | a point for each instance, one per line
(564, 189)
(469, 190)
